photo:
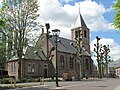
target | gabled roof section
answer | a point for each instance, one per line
(38, 43)
(114, 63)
(79, 22)
(65, 46)
(29, 53)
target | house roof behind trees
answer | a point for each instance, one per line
(114, 64)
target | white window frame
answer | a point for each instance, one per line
(33, 67)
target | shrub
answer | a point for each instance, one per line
(18, 81)
(23, 80)
(5, 81)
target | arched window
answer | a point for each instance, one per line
(71, 63)
(77, 34)
(62, 61)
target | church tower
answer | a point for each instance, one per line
(80, 33)
(80, 30)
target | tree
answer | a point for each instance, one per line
(103, 58)
(21, 17)
(78, 56)
(106, 51)
(5, 33)
(97, 51)
(116, 21)
(2, 41)
(2, 46)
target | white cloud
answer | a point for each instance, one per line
(114, 47)
(65, 16)
(93, 15)
(0, 1)
(62, 17)
(65, 1)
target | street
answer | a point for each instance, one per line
(106, 84)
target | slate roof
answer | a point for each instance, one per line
(65, 46)
(79, 22)
(29, 53)
(114, 63)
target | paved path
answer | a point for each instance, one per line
(104, 84)
(109, 84)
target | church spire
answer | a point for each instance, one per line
(79, 21)
(79, 8)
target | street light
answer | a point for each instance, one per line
(47, 28)
(56, 33)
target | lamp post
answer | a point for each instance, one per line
(47, 28)
(56, 33)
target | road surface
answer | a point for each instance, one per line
(106, 84)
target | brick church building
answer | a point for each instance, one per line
(35, 64)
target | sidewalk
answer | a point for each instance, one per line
(52, 85)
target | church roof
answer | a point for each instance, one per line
(79, 22)
(29, 54)
(65, 46)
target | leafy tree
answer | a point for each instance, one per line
(3, 42)
(116, 21)
(5, 30)
(21, 18)
(2, 47)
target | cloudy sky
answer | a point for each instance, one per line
(98, 15)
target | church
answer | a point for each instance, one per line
(73, 55)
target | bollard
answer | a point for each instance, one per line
(11, 80)
(14, 80)
(41, 81)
